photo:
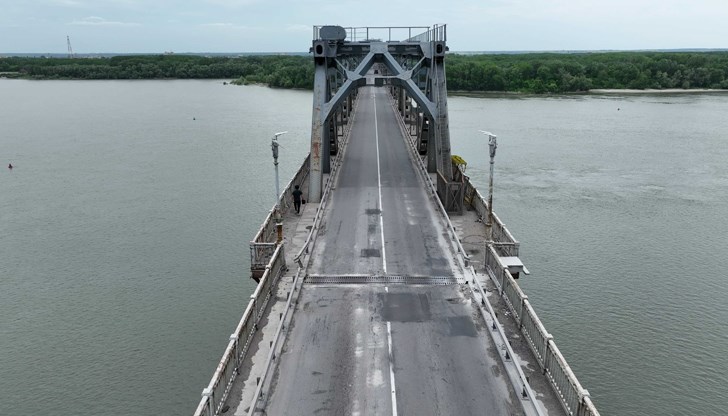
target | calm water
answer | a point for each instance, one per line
(125, 225)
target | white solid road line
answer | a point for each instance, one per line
(384, 265)
(391, 365)
(379, 181)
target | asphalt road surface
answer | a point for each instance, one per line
(381, 220)
(378, 349)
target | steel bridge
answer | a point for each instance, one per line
(387, 295)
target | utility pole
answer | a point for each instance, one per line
(274, 147)
(70, 49)
(492, 144)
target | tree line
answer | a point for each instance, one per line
(283, 71)
(563, 72)
(527, 73)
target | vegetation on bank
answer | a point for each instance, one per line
(283, 71)
(527, 73)
(558, 73)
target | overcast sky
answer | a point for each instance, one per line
(152, 26)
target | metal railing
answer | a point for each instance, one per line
(518, 378)
(390, 33)
(275, 346)
(503, 240)
(431, 186)
(260, 254)
(263, 244)
(284, 200)
(573, 397)
(268, 229)
(215, 394)
(436, 33)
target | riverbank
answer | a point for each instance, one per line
(453, 93)
(599, 91)
(529, 73)
(660, 91)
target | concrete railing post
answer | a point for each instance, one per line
(236, 349)
(207, 392)
(544, 360)
(581, 407)
(255, 310)
(524, 301)
(503, 282)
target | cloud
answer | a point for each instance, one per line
(100, 21)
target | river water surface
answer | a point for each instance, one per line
(124, 232)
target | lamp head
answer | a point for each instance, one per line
(489, 134)
(492, 143)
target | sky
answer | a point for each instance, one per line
(155, 26)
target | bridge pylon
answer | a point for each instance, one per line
(414, 69)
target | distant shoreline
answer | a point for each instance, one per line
(538, 74)
(661, 91)
(598, 91)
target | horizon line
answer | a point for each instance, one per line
(472, 52)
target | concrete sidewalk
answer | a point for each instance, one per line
(297, 227)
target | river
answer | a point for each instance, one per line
(126, 219)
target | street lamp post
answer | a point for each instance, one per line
(274, 147)
(492, 144)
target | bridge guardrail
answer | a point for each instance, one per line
(275, 346)
(574, 398)
(519, 378)
(267, 230)
(503, 239)
(436, 33)
(298, 179)
(263, 244)
(260, 254)
(264, 254)
(412, 146)
(215, 394)
(391, 33)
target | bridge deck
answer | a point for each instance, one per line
(383, 348)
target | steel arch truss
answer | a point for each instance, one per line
(414, 69)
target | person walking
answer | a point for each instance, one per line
(297, 199)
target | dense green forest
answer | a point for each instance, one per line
(284, 71)
(557, 73)
(528, 73)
